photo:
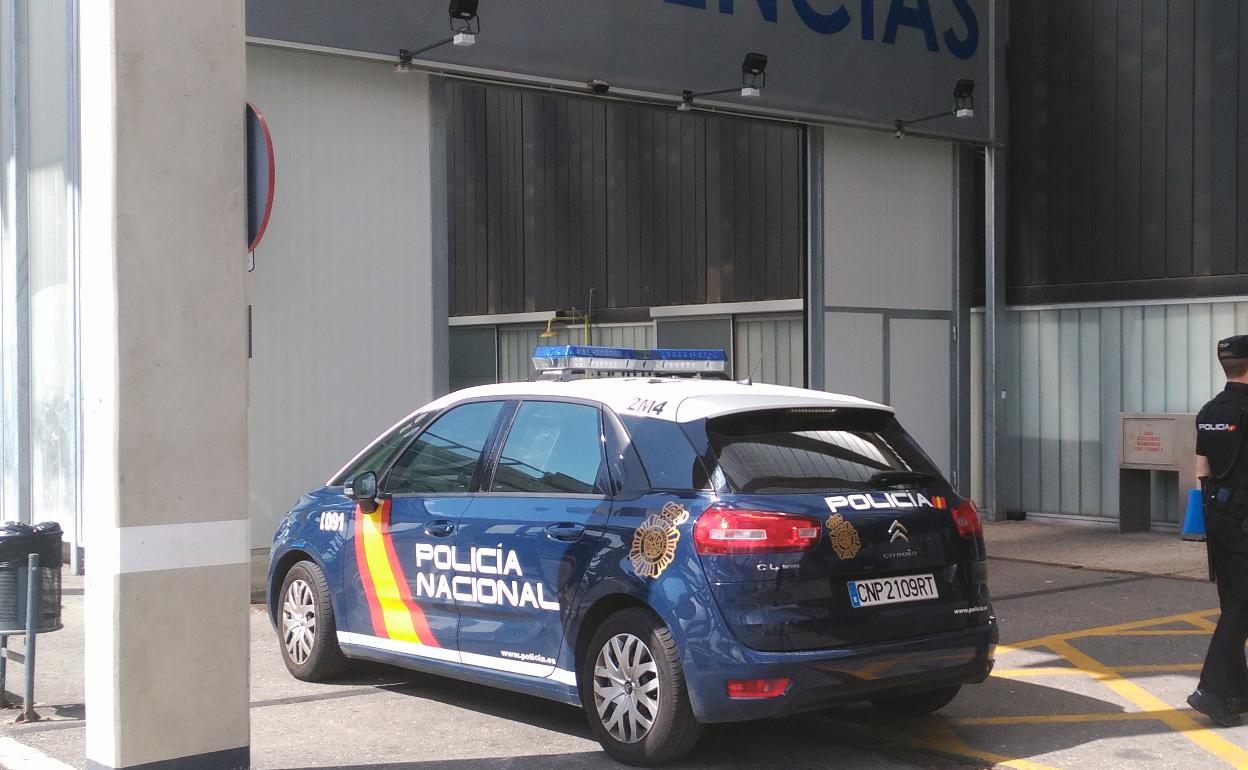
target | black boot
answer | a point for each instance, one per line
(1215, 708)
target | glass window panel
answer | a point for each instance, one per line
(553, 448)
(445, 456)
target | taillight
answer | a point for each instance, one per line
(757, 688)
(966, 519)
(721, 530)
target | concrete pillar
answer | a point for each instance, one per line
(164, 366)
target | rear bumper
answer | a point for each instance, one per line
(825, 677)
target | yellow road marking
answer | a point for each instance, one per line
(1053, 719)
(1204, 623)
(1012, 673)
(1159, 668)
(1182, 721)
(1043, 641)
(938, 736)
(1147, 668)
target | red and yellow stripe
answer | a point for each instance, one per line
(394, 614)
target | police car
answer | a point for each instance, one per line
(664, 551)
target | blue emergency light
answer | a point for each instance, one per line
(587, 359)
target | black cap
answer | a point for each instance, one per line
(1233, 347)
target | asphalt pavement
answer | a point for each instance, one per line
(1092, 673)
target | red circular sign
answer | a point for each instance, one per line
(261, 176)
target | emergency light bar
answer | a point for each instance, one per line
(561, 359)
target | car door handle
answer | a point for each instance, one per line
(439, 528)
(569, 533)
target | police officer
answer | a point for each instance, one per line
(1222, 465)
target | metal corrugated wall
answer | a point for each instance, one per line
(771, 349)
(516, 344)
(1128, 150)
(1071, 372)
(550, 195)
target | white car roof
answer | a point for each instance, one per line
(682, 399)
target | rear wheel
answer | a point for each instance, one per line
(308, 636)
(918, 704)
(633, 690)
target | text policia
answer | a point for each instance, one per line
(482, 578)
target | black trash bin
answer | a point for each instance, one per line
(17, 542)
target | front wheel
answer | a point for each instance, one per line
(633, 690)
(306, 625)
(919, 703)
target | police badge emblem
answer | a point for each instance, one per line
(654, 542)
(843, 536)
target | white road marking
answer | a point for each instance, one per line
(19, 756)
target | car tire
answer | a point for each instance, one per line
(918, 704)
(646, 652)
(307, 635)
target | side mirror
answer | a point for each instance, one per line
(363, 490)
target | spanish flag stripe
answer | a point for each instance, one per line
(405, 591)
(366, 577)
(397, 618)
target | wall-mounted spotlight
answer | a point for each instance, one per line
(464, 23)
(753, 79)
(753, 74)
(598, 86)
(963, 107)
(964, 99)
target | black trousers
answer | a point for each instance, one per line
(1225, 673)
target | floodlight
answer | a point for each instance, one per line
(464, 23)
(463, 10)
(963, 107)
(463, 15)
(963, 99)
(754, 70)
(753, 79)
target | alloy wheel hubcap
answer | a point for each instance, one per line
(299, 622)
(626, 688)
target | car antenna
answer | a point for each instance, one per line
(749, 378)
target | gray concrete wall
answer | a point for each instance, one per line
(347, 306)
(164, 384)
(888, 269)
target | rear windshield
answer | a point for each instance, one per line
(815, 451)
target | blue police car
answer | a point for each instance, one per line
(664, 551)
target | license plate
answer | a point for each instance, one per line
(893, 590)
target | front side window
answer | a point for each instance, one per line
(444, 458)
(552, 448)
(813, 450)
(376, 456)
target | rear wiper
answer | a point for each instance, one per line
(893, 478)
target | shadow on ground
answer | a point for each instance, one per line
(854, 735)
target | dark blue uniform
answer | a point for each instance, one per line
(1220, 430)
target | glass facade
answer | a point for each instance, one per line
(39, 400)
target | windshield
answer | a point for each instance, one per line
(816, 451)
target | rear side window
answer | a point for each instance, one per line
(552, 448)
(377, 455)
(444, 458)
(666, 454)
(812, 450)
